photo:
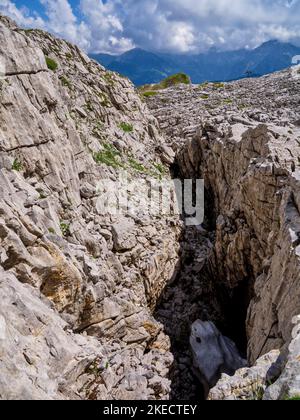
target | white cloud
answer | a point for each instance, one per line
(22, 16)
(221, 23)
(169, 25)
(106, 28)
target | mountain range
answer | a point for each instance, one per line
(143, 67)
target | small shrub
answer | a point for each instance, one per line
(228, 101)
(66, 82)
(89, 106)
(127, 128)
(42, 196)
(51, 64)
(205, 97)
(108, 76)
(17, 165)
(176, 79)
(65, 228)
(52, 231)
(98, 130)
(104, 99)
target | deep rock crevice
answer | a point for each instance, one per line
(250, 179)
(195, 292)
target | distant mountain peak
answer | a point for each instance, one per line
(146, 67)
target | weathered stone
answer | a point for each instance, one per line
(244, 142)
(66, 265)
(124, 235)
(213, 354)
(54, 125)
(248, 383)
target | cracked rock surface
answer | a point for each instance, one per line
(96, 305)
(243, 139)
(76, 284)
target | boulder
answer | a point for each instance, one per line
(213, 354)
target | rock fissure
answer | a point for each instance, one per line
(24, 146)
(253, 263)
(25, 72)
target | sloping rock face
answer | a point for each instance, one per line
(243, 139)
(77, 284)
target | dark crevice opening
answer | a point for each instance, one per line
(235, 304)
(197, 292)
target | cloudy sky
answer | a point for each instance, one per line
(181, 26)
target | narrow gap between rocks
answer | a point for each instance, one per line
(193, 293)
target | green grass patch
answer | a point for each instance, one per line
(66, 82)
(28, 31)
(218, 85)
(149, 93)
(109, 156)
(17, 165)
(65, 229)
(203, 85)
(108, 77)
(42, 196)
(205, 97)
(161, 169)
(295, 398)
(228, 101)
(137, 166)
(51, 64)
(176, 79)
(127, 128)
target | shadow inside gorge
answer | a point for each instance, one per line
(183, 302)
(194, 292)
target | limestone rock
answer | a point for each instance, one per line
(287, 385)
(40, 357)
(77, 274)
(248, 383)
(242, 138)
(213, 354)
(81, 287)
(124, 235)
